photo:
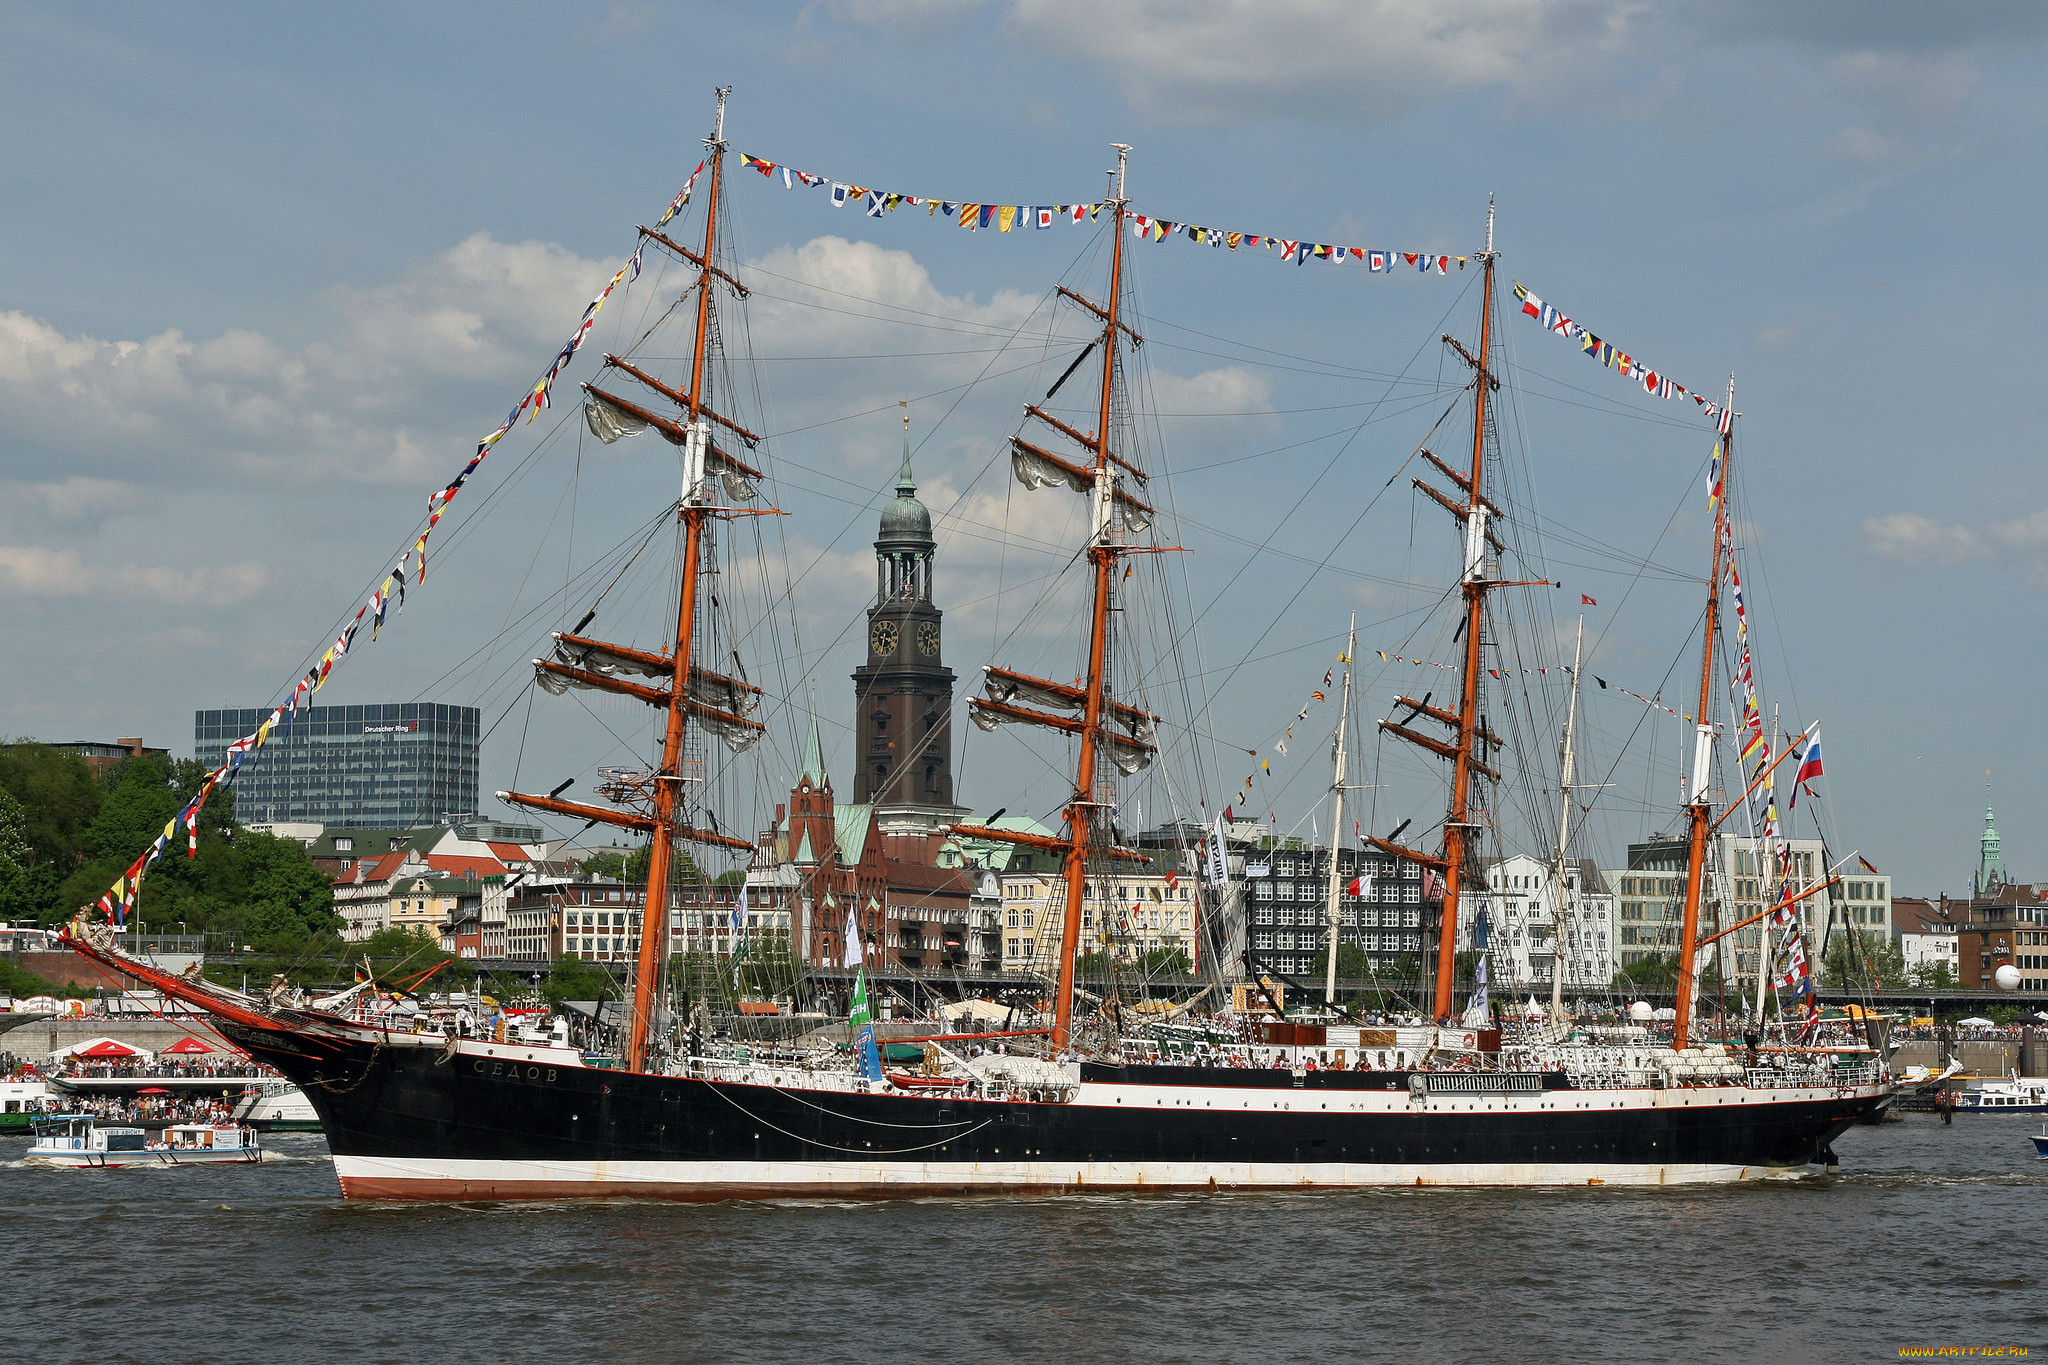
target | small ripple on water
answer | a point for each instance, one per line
(1518, 1274)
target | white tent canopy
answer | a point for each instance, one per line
(1977, 1021)
(975, 1009)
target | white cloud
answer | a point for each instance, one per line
(622, 22)
(366, 403)
(1906, 90)
(80, 498)
(2023, 533)
(34, 571)
(1364, 60)
(1912, 538)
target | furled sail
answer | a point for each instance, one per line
(609, 422)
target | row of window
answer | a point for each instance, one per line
(1023, 948)
(1282, 939)
(1384, 892)
(1351, 916)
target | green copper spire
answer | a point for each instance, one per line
(813, 770)
(1990, 872)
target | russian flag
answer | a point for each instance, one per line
(1809, 767)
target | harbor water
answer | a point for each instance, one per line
(1929, 1237)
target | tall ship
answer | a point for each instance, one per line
(1088, 1100)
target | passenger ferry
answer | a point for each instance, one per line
(20, 1102)
(80, 1140)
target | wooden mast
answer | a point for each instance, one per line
(1702, 758)
(668, 779)
(1102, 553)
(1457, 842)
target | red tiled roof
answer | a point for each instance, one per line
(457, 865)
(511, 853)
(377, 869)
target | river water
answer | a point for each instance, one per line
(1930, 1236)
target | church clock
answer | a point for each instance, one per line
(882, 637)
(928, 639)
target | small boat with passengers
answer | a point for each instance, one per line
(81, 1140)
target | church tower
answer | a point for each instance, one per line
(1990, 871)
(903, 694)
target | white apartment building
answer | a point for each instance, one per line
(1651, 893)
(1527, 930)
(1126, 914)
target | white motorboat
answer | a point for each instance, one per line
(277, 1107)
(80, 1140)
(2016, 1095)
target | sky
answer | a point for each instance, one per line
(273, 270)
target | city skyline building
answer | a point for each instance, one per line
(370, 766)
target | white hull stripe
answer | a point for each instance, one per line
(365, 1177)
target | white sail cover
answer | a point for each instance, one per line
(1009, 689)
(1130, 753)
(707, 688)
(608, 422)
(737, 737)
(1137, 723)
(1035, 472)
(723, 693)
(598, 659)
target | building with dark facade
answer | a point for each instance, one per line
(388, 766)
(1286, 892)
(903, 694)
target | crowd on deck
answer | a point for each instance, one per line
(150, 1109)
(224, 1068)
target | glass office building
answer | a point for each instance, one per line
(367, 767)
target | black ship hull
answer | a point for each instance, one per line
(473, 1120)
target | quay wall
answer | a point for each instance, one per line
(1986, 1059)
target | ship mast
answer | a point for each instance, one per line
(1564, 834)
(1102, 554)
(1464, 723)
(1702, 757)
(1105, 728)
(1331, 912)
(661, 795)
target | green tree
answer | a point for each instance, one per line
(1935, 976)
(1164, 962)
(1651, 971)
(607, 866)
(288, 900)
(16, 900)
(571, 978)
(58, 796)
(1862, 958)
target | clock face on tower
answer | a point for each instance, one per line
(882, 637)
(928, 639)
